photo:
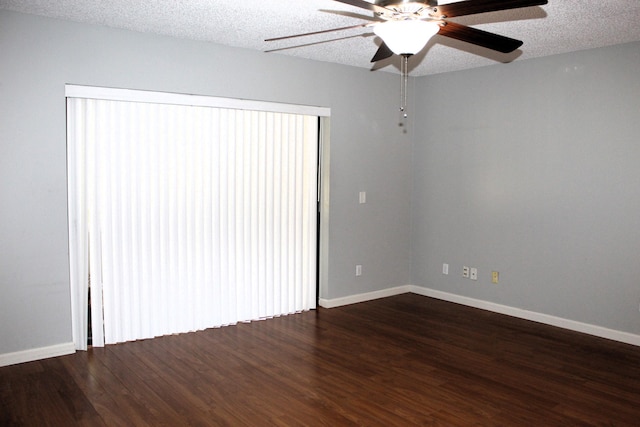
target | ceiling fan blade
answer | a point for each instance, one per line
(479, 37)
(365, 5)
(470, 7)
(319, 32)
(383, 52)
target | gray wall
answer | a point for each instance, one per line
(533, 169)
(38, 56)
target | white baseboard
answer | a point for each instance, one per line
(369, 296)
(560, 322)
(37, 354)
(546, 319)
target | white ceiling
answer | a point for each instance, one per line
(558, 27)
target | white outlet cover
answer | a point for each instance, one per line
(474, 273)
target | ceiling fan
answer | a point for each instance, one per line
(406, 26)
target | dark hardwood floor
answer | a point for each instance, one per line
(404, 360)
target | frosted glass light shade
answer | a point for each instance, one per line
(406, 37)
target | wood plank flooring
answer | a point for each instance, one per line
(404, 360)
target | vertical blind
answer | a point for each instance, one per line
(188, 217)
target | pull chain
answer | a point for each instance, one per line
(404, 79)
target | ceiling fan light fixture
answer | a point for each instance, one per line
(406, 37)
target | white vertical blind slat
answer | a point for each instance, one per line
(270, 240)
(95, 234)
(78, 234)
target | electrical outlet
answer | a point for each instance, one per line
(445, 268)
(473, 275)
(495, 276)
(465, 272)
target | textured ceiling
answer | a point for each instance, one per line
(560, 26)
